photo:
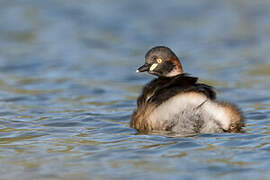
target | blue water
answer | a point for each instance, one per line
(68, 87)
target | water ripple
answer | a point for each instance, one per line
(68, 88)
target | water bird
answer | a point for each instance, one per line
(177, 102)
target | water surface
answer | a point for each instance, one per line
(68, 87)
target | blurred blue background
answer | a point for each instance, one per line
(68, 87)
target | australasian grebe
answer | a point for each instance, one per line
(176, 102)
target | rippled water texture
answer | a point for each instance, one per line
(68, 87)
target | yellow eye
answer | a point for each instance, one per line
(159, 60)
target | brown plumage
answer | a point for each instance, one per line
(176, 102)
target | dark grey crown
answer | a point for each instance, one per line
(159, 52)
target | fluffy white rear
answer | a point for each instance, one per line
(189, 108)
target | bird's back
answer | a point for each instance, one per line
(160, 98)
